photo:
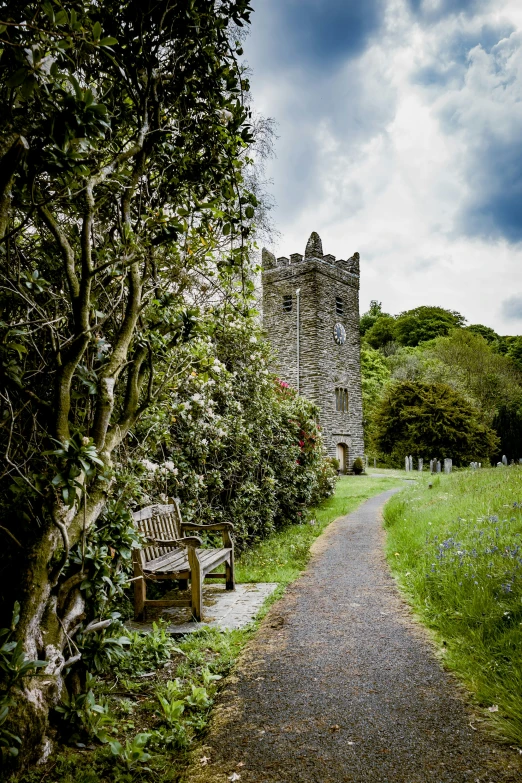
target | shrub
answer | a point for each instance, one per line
(235, 444)
(358, 466)
(431, 420)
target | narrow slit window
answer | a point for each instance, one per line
(339, 306)
(341, 400)
(287, 303)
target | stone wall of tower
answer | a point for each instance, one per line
(323, 365)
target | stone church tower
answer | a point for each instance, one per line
(311, 317)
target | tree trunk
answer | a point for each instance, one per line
(52, 607)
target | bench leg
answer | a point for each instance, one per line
(195, 584)
(140, 595)
(229, 574)
(140, 587)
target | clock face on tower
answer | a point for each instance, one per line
(339, 333)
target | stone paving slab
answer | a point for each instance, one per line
(225, 609)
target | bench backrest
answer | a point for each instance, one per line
(158, 521)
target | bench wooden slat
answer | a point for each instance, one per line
(164, 522)
(209, 556)
(175, 560)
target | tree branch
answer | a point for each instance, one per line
(67, 251)
(8, 164)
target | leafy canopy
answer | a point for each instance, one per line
(431, 421)
(373, 313)
(424, 323)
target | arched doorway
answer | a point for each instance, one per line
(342, 457)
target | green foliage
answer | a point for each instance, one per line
(123, 197)
(508, 425)
(431, 420)
(75, 458)
(82, 717)
(472, 366)
(231, 442)
(459, 563)
(514, 351)
(489, 334)
(467, 360)
(101, 650)
(198, 697)
(105, 557)
(424, 323)
(171, 709)
(381, 332)
(127, 211)
(358, 466)
(133, 752)
(147, 651)
(371, 316)
(375, 375)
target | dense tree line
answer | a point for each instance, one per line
(429, 366)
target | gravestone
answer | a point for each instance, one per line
(437, 466)
(421, 462)
(411, 462)
(432, 466)
(448, 464)
(504, 459)
(406, 464)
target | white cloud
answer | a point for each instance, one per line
(410, 153)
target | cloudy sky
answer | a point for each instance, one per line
(400, 136)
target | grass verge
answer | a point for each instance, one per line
(282, 556)
(456, 552)
(149, 709)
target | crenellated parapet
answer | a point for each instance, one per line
(311, 317)
(268, 259)
(313, 252)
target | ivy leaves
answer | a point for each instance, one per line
(75, 458)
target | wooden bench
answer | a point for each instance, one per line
(171, 554)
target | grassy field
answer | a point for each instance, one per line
(456, 551)
(283, 556)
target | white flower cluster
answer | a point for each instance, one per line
(164, 469)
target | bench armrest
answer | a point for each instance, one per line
(193, 541)
(226, 528)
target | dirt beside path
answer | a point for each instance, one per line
(341, 685)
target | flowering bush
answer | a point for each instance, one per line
(232, 442)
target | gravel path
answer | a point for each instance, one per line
(341, 685)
